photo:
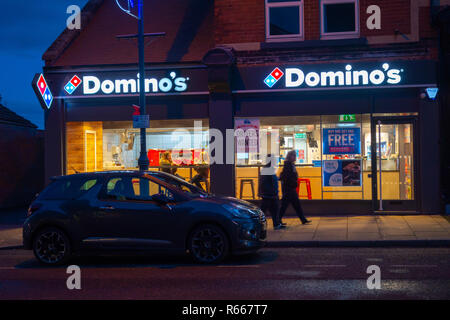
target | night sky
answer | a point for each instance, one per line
(28, 28)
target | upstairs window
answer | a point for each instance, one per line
(339, 19)
(284, 20)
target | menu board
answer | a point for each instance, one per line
(341, 173)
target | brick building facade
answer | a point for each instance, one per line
(331, 66)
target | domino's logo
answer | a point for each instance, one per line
(273, 77)
(44, 90)
(73, 84)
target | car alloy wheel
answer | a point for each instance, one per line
(208, 244)
(51, 246)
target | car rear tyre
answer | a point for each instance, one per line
(51, 246)
(208, 244)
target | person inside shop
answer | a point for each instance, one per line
(268, 191)
(166, 162)
(201, 176)
(289, 181)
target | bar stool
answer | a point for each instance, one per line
(308, 187)
(243, 183)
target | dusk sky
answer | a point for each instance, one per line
(28, 28)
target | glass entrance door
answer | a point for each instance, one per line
(394, 188)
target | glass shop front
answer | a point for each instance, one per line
(364, 133)
(334, 157)
(174, 146)
(361, 146)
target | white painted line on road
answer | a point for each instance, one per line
(324, 265)
(374, 259)
(243, 266)
(414, 266)
(399, 271)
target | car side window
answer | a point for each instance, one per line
(119, 188)
(134, 188)
(145, 189)
(66, 189)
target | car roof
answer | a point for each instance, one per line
(110, 173)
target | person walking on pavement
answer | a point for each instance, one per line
(268, 191)
(289, 181)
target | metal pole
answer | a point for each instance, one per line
(143, 158)
(380, 170)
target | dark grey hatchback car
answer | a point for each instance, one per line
(117, 211)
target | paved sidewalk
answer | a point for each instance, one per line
(10, 237)
(363, 230)
(11, 221)
(323, 231)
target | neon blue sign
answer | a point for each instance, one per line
(432, 93)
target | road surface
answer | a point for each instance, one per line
(281, 273)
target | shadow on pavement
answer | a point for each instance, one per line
(154, 261)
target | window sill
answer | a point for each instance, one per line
(313, 43)
(297, 38)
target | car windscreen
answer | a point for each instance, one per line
(66, 189)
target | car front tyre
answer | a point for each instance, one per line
(51, 246)
(208, 244)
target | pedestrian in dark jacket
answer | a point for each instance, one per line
(289, 181)
(268, 191)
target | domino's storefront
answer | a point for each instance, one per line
(365, 133)
(89, 115)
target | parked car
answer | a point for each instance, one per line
(138, 211)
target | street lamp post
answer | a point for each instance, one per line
(143, 161)
(143, 157)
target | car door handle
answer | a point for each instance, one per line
(107, 208)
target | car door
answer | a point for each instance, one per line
(127, 215)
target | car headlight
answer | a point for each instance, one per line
(238, 211)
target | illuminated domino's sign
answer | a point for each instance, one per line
(296, 77)
(44, 90)
(94, 85)
(73, 84)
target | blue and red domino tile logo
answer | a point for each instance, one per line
(273, 77)
(45, 91)
(73, 84)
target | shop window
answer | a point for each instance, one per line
(331, 159)
(301, 134)
(342, 162)
(339, 19)
(84, 146)
(284, 20)
(174, 146)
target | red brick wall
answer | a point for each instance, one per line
(311, 14)
(395, 14)
(426, 30)
(240, 21)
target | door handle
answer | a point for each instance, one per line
(107, 208)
